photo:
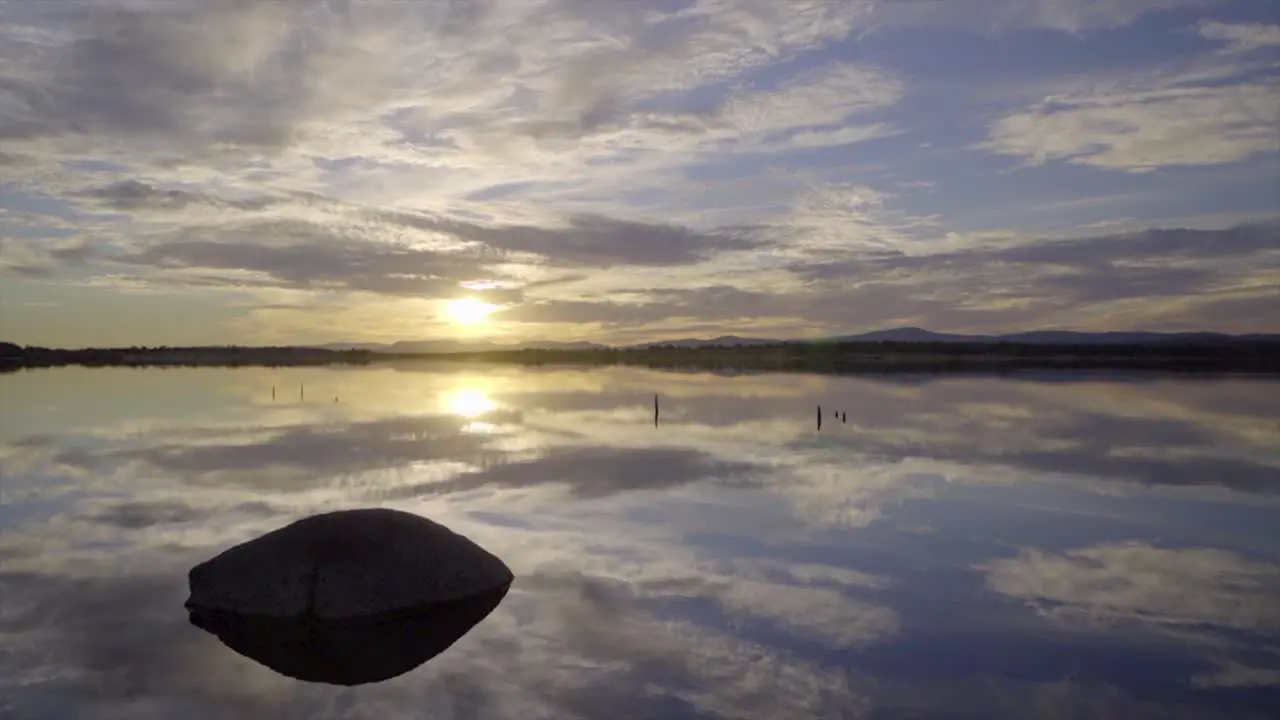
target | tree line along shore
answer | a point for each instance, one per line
(888, 356)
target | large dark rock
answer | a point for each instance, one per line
(373, 563)
(347, 597)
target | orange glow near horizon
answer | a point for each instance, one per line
(468, 311)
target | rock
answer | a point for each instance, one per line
(354, 565)
(347, 597)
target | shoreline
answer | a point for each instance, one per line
(835, 358)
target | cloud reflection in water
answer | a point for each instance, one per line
(1010, 547)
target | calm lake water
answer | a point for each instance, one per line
(956, 548)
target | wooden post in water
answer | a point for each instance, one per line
(655, 410)
(273, 393)
(819, 417)
(302, 393)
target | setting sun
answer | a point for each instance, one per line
(468, 311)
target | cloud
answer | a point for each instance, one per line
(263, 74)
(983, 286)
(1173, 244)
(579, 240)
(397, 254)
(1069, 16)
(1179, 278)
(299, 167)
(23, 260)
(335, 263)
(1152, 263)
(1241, 37)
(582, 102)
(698, 45)
(135, 195)
(1082, 15)
(1142, 129)
(822, 97)
(593, 241)
(188, 75)
(711, 303)
(844, 218)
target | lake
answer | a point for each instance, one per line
(943, 547)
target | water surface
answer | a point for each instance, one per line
(954, 547)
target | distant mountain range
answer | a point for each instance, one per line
(901, 335)
(458, 346)
(1055, 337)
(722, 341)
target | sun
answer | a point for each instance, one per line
(468, 311)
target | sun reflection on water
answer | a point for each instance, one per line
(469, 402)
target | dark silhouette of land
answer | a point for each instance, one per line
(14, 357)
(1259, 354)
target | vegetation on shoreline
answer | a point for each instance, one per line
(16, 357)
(1249, 357)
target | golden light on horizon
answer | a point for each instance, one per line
(468, 311)
(468, 402)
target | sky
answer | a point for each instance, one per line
(298, 171)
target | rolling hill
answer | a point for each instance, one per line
(893, 335)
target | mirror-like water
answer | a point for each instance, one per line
(944, 547)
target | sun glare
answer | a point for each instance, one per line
(468, 402)
(468, 311)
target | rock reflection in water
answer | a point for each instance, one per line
(349, 652)
(347, 597)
